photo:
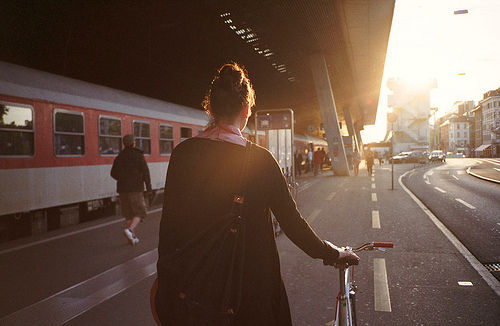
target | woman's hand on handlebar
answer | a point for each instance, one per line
(347, 256)
(340, 255)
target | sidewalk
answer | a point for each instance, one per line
(485, 172)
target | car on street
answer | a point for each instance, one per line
(437, 155)
(399, 158)
(417, 157)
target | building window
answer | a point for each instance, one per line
(186, 133)
(142, 136)
(69, 133)
(110, 135)
(458, 126)
(166, 139)
(17, 136)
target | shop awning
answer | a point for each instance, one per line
(482, 147)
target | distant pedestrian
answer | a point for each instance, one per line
(369, 161)
(131, 172)
(310, 159)
(317, 160)
(298, 163)
(323, 157)
(356, 159)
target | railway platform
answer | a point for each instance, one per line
(88, 274)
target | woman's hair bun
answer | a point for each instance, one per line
(229, 79)
(229, 93)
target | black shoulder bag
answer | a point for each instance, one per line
(205, 276)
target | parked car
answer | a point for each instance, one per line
(417, 157)
(400, 158)
(437, 155)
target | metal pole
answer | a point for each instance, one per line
(392, 154)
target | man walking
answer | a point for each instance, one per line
(131, 172)
(369, 161)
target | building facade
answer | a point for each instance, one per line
(489, 112)
(412, 107)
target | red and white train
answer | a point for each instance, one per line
(58, 140)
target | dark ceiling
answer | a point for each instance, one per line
(170, 50)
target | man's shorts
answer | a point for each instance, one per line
(133, 205)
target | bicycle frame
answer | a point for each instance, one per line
(345, 312)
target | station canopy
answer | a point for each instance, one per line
(170, 50)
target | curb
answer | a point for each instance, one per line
(493, 283)
(480, 176)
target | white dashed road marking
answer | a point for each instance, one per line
(381, 287)
(439, 189)
(465, 283)
(374, 196)
(465, 203)
(373, 186)
(455, 177)
(375, 220)
(330, 196)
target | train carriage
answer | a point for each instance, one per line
(58, 140)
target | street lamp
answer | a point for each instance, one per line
(434, 142)
(392, 117)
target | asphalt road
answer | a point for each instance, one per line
(467, 205)
(89, 275)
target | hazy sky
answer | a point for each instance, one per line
(428, 41)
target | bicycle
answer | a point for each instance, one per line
(345, 311)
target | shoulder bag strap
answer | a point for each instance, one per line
(239, 198)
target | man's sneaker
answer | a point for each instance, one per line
(130, 236)
(135, 240)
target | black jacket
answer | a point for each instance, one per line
(131, 171)
(202, 178)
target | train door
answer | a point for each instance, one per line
(278, 128)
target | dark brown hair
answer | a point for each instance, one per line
(229, 93)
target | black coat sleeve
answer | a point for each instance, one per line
(291, 221)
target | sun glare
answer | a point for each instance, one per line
(429, 42)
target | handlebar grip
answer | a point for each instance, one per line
(383, 245)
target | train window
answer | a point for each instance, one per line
(166, 139)
(110, 135)
(142, 136)
(186, 133)
(17, 137)
(69, 133)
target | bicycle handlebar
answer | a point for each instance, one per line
(383, 244)
(374, 245)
